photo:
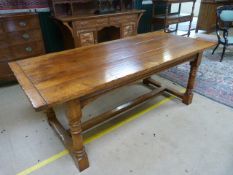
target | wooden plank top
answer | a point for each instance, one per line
(59, 77)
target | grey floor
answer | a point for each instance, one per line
(173, 139)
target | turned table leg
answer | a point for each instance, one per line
(74, 114)
(188, 95)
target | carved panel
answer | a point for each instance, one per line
(86, 38)
(115, 20)
(85, 24)
(130, 18)
(128, 30)
(123, 18)
(21, 23)
(102, 22)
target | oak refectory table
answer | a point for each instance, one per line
(78, 76)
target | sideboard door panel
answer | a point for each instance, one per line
(128, 30)
(86, 38)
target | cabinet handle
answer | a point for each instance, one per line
(26, 36)
(22, 23)
(28, 49)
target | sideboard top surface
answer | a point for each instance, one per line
(11, 15)
(88, 16)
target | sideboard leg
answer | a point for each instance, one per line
(188, 95)
(74, 114)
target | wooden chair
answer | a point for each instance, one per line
(224, 23)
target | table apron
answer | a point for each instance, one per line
(88, 98)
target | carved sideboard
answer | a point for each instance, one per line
(92, 29)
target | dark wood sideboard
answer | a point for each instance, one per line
(207, 15)
(87, 22)
(20, 37)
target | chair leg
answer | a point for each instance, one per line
(223, 52)
(189, 28)
(152, 27)
(166, 28)
(215, 48)
(177, 25)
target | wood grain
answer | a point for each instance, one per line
(67, 75)
(78, 76)
(74, 115)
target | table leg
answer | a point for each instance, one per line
(50, 114)
(188, 95)
(74, 114)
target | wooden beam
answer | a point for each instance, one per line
(172, 91)
(120, 109)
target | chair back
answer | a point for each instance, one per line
(225, 16)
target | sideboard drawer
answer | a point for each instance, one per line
(1, 28)
(5, 53)
(102, 22)
(85, 24)
(123, 19)
(27, 50)
(21, 23)
(3, 41)
(115, 20)
(5, 70)
(2, 37)
(130, 18)
(21, 37)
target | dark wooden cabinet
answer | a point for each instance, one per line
(207, 15)
(20, 37)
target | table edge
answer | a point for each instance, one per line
(28, 87)
(42, 104)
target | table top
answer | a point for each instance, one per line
(59, 77)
